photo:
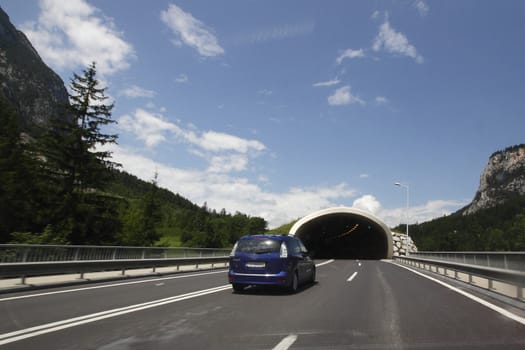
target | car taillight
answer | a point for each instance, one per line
(284, 250)
(233, 250)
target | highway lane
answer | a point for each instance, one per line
(354, 305)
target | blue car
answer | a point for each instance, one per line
(270, 260)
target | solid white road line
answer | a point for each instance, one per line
(111, 285)
(352, 277)
(491, 306)
(286, 342)
(325, 262)
(11, 337)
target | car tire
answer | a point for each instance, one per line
(312, 279)
(294, 283)
(237, 287)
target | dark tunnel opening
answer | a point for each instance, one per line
(344, 236)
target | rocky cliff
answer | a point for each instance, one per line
(502, 178)
(26, 82)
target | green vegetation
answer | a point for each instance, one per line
(283, 229)
(501, 228)
(63, 188)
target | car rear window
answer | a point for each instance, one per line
(259, 245)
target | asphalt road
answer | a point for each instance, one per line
(353, 305)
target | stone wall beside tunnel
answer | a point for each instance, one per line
(399, 244)
(344, 233)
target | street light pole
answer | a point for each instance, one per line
(405, 186)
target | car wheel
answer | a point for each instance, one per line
(294, 285)
(237, 287)
(312, 279)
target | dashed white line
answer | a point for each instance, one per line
(286, 342)
(352, 277)
(325, 262)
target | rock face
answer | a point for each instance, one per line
(26, 82)
(400, 246)
(502, 178)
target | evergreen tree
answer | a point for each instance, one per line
(17, 188)
(77, 169)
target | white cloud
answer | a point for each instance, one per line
(221, 190)
(363, 176)
(148, 127)
(281, 32)
(375, 14)
(191, 31)
(368, 203)
(343, 96)
(73, 33)
(136, 91)
(381, 100)
(430, 210)
(228, 163)
(223, 152)
(395, 42)
(218, 141)
(422, 7)
(327, 83)
(265, 92)
(182, 79)
(350, 53)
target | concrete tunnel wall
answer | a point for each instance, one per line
(344, 233)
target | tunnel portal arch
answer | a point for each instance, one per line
(344, 232)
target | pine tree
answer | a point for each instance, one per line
(77, 168)
(16, 177)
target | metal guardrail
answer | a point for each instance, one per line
(25, 260)
(500, 260)
(510, 280)
(21, 253)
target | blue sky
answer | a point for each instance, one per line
(281, 108)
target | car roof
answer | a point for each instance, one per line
(276, 237)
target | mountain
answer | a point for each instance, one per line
(493, 221)
(502, 178)
(34, 91)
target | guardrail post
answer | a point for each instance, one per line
(491, 283)
(143, 254)
(114, 254)
(76, 254)
(520, 293)
(24, 257)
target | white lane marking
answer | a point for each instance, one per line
(325, 262)
(286, 342)
(491, 306)
(111, 285)
(11, 337)
(359, 264)
(352, 277)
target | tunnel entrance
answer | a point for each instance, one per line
(344, 233)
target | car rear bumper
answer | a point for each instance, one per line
(280, 279)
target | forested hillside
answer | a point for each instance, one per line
(500, 228)
(175, 220)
